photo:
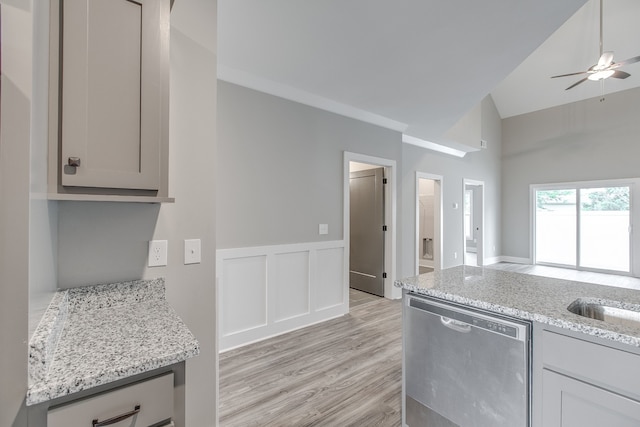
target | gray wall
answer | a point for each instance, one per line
(280, 174)
(280, 168)
(483, 165)
(582, 141)
(42, 213)
(47, 244)
(15, 135)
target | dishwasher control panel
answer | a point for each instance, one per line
(473, 317)
(500, 328)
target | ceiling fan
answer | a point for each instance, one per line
(605, 67)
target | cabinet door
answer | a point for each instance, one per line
(568, 402)
(114, 65)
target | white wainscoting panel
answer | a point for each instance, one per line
(330, 264)
(269, 290)
(243, 285)
(291, 285)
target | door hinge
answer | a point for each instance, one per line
(384, 180)
(384, 275)
(384, 228)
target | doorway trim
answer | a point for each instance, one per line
(390, 291)
(480, 246)
(437, 247)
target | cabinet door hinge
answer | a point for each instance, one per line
(384, 180)
(384, 275)
(384, 228)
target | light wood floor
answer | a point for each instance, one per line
(343, 372)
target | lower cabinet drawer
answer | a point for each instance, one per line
(606, 367)
(142, 404)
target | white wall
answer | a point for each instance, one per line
(582, 141)
(483, 165)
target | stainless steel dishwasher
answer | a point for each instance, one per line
(464, 367)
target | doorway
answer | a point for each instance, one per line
(389, 166)
(367, 228)
(428, 222)
(473, 222)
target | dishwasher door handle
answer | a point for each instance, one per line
(455, 325)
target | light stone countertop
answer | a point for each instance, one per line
(524, 296)
(95, 335)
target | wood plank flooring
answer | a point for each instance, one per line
(343, 372)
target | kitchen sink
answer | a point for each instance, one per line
(606, 311)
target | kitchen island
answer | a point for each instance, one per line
(584, 371)
(523, 296)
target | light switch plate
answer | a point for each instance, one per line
(157, 253)
(323, 229)
(192, 251)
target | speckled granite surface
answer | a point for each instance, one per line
(94, 335)
(524, 296)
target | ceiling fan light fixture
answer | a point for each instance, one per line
(601, 75)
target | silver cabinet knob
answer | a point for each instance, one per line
(74, 161)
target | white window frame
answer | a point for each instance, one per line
(634, 212)
(469, 194)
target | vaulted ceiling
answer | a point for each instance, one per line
(574, 47)
(418, 66)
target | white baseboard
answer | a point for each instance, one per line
(514, 260)
(492, 260)
(426, 263)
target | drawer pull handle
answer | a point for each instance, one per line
(116, 419)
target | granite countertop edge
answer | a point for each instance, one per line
(566, 320)
(144, 298)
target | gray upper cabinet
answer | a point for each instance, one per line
(110, 77)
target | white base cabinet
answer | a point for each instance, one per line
(145, 403)
(572, 403)
(585, 382)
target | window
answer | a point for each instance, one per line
(468, 214)
(584, 226)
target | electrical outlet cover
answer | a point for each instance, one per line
(158, 253)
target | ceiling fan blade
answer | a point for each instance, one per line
(570, 74)
(576, 83)
(619, 74)
(605, 60)
(626, 62)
